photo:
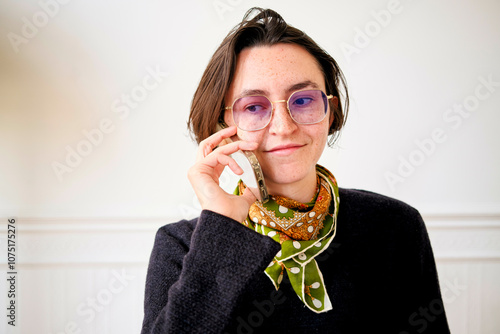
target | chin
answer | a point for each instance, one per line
(285, 173)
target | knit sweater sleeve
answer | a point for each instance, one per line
(193, 285)
(422, 310)
(429, 315)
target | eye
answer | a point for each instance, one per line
(254, 108)
(303, 101)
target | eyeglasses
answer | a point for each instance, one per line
(254, 112)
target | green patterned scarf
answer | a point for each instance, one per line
(304, 231)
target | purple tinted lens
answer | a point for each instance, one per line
(252, 112)
(308, 106)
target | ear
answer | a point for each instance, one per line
(335, 103)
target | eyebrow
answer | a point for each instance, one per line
(289, 90)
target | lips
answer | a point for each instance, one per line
(284, 149)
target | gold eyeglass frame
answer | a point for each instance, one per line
(328, 97)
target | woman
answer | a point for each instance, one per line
(245, 266)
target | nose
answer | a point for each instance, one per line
(281, 122)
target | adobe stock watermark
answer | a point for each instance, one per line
(453, 117)
(224, 6)
(373, 28)
(31, 26)
(97, 303)
(122, 107)
(420, 320)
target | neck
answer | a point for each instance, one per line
(302, 190)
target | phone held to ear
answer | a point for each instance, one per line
(252, 172)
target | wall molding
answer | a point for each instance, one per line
(462, 219)
(128, 241)
(464, 237)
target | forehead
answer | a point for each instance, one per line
(274, 69)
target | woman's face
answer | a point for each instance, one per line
(287, 152)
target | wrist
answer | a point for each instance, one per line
(228, 212)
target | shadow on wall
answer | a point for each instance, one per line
(50, 89)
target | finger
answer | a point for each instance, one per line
(209, 144)
(236, 146)
(216, 160)
(227, 151)
(249, 196)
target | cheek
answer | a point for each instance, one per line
(256, 137)
(320, 139)
(320, 130)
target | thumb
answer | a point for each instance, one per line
(249, 196)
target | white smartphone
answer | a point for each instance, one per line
(252, 172)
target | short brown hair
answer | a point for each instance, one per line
(266, 28)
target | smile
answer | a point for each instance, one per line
(283, 150)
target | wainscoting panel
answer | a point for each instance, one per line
(467, 252)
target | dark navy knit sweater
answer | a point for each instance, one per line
(207, 276)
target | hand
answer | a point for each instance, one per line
(204, 175)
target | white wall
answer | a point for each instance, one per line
(68, 76)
